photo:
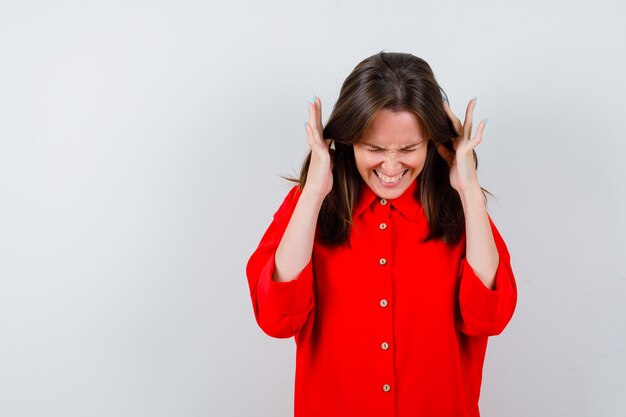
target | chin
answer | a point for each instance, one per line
(388, 194)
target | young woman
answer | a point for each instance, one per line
(382, 261)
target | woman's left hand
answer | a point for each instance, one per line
(463, 177)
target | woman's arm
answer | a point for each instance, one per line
(485, 310)
(480, 251)
(280, 308)
(296, 246)
(280, 273)
(487, 293)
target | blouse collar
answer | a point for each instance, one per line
(406, 204)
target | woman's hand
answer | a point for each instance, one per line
(319, 178)
(463, 177)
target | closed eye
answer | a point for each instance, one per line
(412, 147)
(408, 149)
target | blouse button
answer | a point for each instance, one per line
(383, 201)
(382, 261)
(384, 345)
(383, 303)
(382, 226)
(386, 387)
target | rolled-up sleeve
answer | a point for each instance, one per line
(483, 311)
(280, 308)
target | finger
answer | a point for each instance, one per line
(479, 133)
(309, 135)
(315, 135)
(317, 114)
(455, 120)
(318, 110)
(331, 150)
(330, 146)
(445, 154)
(328, 143)
(467, 123)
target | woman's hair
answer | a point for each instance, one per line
(396, 82)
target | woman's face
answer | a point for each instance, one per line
(391, 153)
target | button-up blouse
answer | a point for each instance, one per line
(384, 325)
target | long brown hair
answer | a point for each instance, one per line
(398, 82)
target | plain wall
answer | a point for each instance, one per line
(140, 147)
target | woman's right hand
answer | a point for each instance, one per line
(319, 178)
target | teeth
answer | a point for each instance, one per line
(387, 179)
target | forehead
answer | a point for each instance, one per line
(393, 128)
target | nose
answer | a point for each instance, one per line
(391, 164)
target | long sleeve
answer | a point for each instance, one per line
(486, 312)
(280, 308)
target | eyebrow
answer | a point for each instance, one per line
(380, 147)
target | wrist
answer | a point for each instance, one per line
(471, 194)
(312, 196)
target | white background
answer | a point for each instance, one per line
(140, 148)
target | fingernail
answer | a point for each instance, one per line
(314, 98)
(304, 125)
(475, 100)
(486, 118)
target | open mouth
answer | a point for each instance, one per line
(390, 180)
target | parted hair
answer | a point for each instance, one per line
(397, 82)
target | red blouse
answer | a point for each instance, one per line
(385, 326)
